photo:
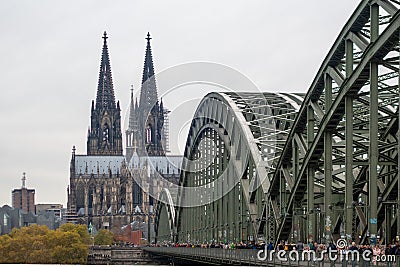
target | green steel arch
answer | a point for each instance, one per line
(235, 139)
(341, 154)
(165, 219)
(308, 167)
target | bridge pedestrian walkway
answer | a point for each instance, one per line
(219, 256)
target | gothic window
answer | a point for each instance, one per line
(108, 201)
(105, 102)
(91, 194)
(137, 194)
(123, 194)
(106, 133)
(101, 197)
(148, 135)
(80, 197)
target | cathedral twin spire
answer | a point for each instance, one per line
(148, 93)
(148, 68)
(105, 91)
(146, 120)
(105, 136)
(145, 134)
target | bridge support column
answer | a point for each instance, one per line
(295, 170)
(328, 205)
(349, 207)
(373, 132)
(226, 196)
(271, 235)
(398, 171)
(243, 224)
(349, 168)
(388, 224)
(373, 153)
(237, 211)
(221, 202)
(295, 156)
(310, 177)
(216, 203)
(310, 205)
(232, 204)
(195, 222)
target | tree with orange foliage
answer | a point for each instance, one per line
(38, 245)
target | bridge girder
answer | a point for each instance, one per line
(165, 219)
(234, 142)
(330, 166)
(350, 121)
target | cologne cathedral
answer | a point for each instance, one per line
(108, 189)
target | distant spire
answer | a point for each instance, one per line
(105, 98)
(74, 149)
(148, 69)
(131, 93)
(148, 94)
(132, 115)
(23, 180)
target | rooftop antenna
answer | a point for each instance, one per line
(23, 180)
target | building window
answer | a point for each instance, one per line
(105, 134)
(148, 135)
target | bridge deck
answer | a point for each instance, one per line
(221, 256)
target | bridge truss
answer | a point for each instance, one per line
(302, 167)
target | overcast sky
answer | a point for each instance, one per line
(50, 55)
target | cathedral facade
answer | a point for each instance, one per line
(108, 189)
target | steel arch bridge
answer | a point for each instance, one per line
(295, 167)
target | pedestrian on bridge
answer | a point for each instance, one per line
(300, 246)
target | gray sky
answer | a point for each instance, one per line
(50, 56)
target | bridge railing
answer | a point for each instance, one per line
(250, 257)
(210, 254)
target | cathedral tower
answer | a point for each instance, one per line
(104, 135)
(145, 134)
(132, 132)
(106, 189)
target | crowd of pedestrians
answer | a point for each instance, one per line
(375, 252)
(222, 245)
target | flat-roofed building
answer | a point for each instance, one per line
(56, 208)
(24, 198)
